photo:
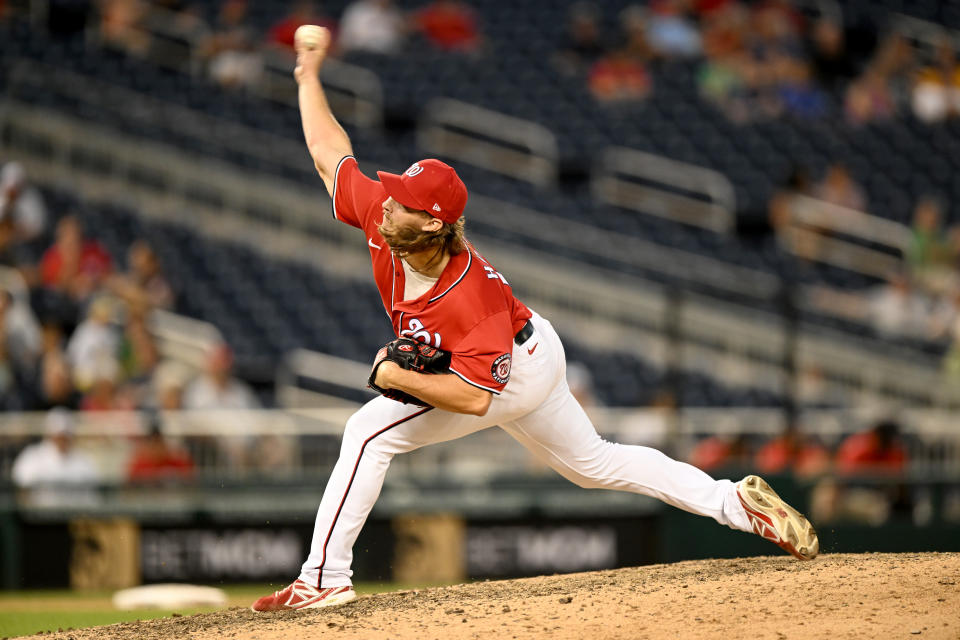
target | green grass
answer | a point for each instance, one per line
(14, 624)
(29, 612)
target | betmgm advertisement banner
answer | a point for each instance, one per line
(118, 553)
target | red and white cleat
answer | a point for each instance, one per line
(301, 595)
(775, 520)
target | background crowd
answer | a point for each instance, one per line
(75, 320)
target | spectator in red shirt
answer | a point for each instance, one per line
(879, 450)
(792, 451)
(449, 25)
(719, 452)
(302, 12)
(156, 459)
(619, 77)
(74, 265)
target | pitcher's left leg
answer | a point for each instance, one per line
(560, 433)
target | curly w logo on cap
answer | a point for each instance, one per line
(428, 185)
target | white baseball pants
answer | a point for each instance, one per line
(538, 410)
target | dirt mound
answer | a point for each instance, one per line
(835, 596)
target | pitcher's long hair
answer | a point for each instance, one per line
(447, 239)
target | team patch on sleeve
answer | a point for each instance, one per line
(501, 368)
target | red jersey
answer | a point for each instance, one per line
(863, 452)
(94, 261)
(470, 311)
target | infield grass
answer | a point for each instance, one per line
(29, 612)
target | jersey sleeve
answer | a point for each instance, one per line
(484, 356)
(354, 194)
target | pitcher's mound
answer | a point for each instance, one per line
(835, 596)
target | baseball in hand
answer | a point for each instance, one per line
(311, 37)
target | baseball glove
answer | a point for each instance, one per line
(413, 356)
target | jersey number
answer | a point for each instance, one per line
(493, 274)
(417, 332)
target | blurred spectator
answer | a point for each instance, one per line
(21, 203)
(670, 33)
(55, 460)
(619, 77)
(70, 271)
(19, 333)
(832, 64)
(144, 284)
(792, 451)
(880, 449)
(790, 21)
(721, 80)
(156, 459)
(301, 12)
(275, 454)
(778, 208)
(895, 60)
(449, 25)
(120, 26)
(105, 392)
(19, 350)
(724, 30)
(583, 45)
(869, 99)
(719, 452)
(372, 25)
(877, 451)
(93, 347)
(936, 89)
(896, 308)
(798, 94)
(774, 34)
(169, 379)
(54, 386)
(928, 244)
(838, 187)
(232, 58)
(74, 264)
(755, 65)
(216, 388)
(138, 353)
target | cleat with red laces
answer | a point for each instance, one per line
(775, 520)
(301, 595)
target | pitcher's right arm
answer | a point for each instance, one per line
(326, 140)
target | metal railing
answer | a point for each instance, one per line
(497, 142)
(671, 189)
(843, 237)
(305, 443)
(183, 339)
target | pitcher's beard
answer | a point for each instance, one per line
(406, 240)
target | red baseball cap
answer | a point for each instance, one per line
(428, 185)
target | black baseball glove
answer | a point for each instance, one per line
(413, 356)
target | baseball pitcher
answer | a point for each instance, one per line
(468, 356)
